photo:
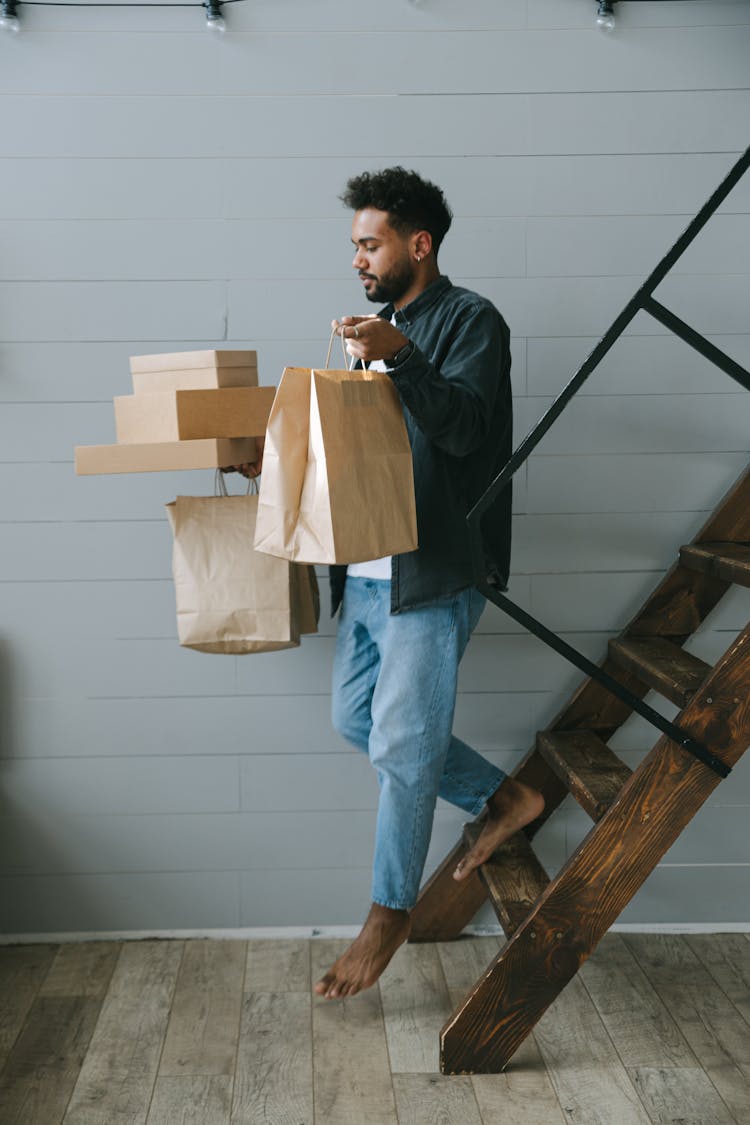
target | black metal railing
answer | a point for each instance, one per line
(644, 301)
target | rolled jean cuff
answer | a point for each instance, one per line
(482, 801)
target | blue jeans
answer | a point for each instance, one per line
(394, 695)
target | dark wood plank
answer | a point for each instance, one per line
(665, 666)
(23, 969)
(43, 1067)
(730, 561)
(513, 876)
(587, 766)
(601, 877)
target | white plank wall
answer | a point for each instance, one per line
(164, 189)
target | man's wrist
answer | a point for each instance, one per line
(406, 351)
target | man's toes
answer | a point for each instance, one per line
(324, 984)
(471, 860)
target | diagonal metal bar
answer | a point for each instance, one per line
(700, 343)
(645, 300)
(672, 730)
(633, 307)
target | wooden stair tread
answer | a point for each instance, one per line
(513, 876)
(730, 561)
(593, 774)
(662, 665)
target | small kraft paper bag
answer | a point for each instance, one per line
(338, 482)
(231, 598)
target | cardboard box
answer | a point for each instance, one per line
(155, 457)
(187, 415)
(197, 378)
(177, 371)
(173, 361)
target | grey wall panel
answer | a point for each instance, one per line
(293, 188)
(509, 124)
(198, 208)
(87, 310)
(557, 544)
(86, 550)
(658, 482)
(637, 364)
(210, 249)
(600, 246)
(182, 726)
(129, 784)
(261, 63)
(654, 424)
(718, 894)
(328, 897)
(120, 901)
(657, 13)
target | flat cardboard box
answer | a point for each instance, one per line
(228, 412)
(156, 457)
(193, 378)
(172, 361)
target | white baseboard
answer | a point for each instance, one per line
(281, 932)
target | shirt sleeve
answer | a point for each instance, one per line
(453, 405)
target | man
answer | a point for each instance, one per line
(405, 621)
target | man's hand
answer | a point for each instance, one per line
(369, 337)
(250, 469)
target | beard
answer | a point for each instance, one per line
(391, 286)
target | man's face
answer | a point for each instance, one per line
(383, 260)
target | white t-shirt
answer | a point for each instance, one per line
(375, 568)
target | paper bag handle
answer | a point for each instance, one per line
(348, 360)
(220, 485)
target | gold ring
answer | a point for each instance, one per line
(356, 331)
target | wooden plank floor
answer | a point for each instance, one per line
(655, 1029)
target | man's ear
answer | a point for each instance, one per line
(421, 244)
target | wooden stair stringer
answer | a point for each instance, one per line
(601, 877)
(674, 609)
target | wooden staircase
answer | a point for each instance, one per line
(553, 925)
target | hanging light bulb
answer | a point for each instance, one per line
(605, 16)
(9, 21)
(214, 18)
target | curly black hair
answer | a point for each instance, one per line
(411, 202)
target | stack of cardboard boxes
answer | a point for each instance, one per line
(190, 410)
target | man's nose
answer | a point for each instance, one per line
(359, 260)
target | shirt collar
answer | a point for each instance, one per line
(411, 312)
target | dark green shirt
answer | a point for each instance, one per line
(455, 390)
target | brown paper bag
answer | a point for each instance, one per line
(337, 483)
(230, 598)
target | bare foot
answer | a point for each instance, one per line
(510, 808)
(383, 932)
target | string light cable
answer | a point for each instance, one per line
(10, 22)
